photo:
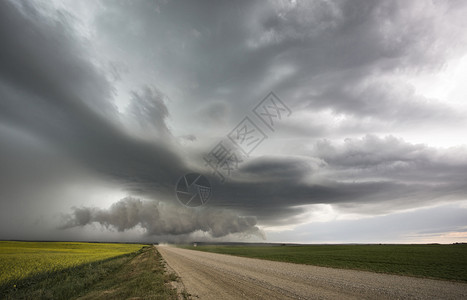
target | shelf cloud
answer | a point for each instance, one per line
(160, 219)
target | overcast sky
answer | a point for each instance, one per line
(105, 105)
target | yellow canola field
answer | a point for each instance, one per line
(19, 260)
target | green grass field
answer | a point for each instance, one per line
(19, 260)
(433, 261)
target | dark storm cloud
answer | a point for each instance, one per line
(159, 218)
(385, 174)
(148, 109)
(394, 158)
(273, 200)
(320, 55)
(50, 90)
(342, 52)
(335, 55)
(286, 168)
(199, 45)
(385, 100)
(216, 114)
(217, 59)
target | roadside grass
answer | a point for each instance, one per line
(144, 276)
(431, 261)
(140, 273)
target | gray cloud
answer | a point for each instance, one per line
(283, 167)
(385, 100)
(385, 174)
(189, 71)
(215, 113)
(160, 219)
(148, 109)
(391, 157)
(57, 103)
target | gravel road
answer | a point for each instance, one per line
(218, 276)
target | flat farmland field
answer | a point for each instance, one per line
(19, 260)
(70, 270)
(430, 261)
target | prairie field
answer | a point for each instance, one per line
(19, 260)
(70, 270)
(420, 260)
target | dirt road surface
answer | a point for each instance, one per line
(217, 276)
